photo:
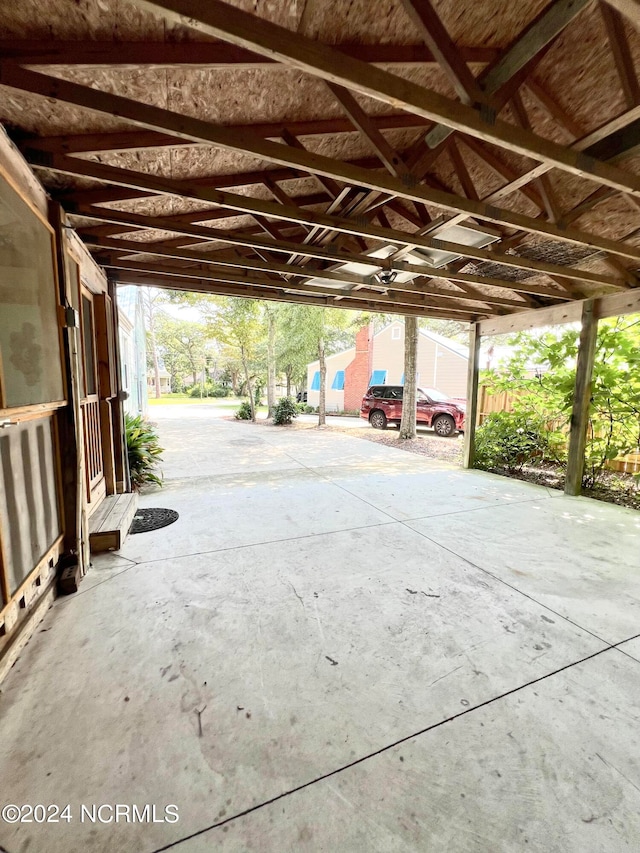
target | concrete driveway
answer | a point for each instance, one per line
(338, 646)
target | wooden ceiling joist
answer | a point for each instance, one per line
(299, 243)
(437, 39)
(293, 294)
(221, 20)
(332, 254)
(140, 140)
(384, 183)
(418, 285)
(206, 54)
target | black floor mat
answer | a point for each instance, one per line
(152, 519)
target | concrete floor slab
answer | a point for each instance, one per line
(215, 446)
(579, 557)
(376, 655)
(246, 509)
(530, 772)
(103, 567)
(433, 489)
(631, 648)
(288, 625)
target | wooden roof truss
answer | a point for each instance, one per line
(337, 245)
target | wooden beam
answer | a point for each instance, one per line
(418, 285)
(585, 143)
(611, 305)
(551, 106)
(462, 172)
(330, 253)
(249, 291)
(473, 371)
(223, 21)
(505, 75)
(498, 166)
(143, 140)
(206, 54)
(581, 400)
(545, 189)
(437, 39)
(480, 210)
(621, 53)
(362, 122)
(629, 8)
(622, 144)
(205, 272)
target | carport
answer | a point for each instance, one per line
(338, 646)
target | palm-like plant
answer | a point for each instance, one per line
(144, 451)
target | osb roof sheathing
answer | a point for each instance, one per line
(578, 72)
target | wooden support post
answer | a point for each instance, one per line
(581, 400)
(472, 396)
(68, 419)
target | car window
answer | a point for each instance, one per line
(393, 394)
(376, 392)
(435, 396)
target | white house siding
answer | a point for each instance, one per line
(334, 399)
(441, 365)
(132, 350)
(438, 365)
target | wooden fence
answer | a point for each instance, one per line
(503, 401)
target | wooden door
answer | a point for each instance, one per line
(90, 403)
(31, 392)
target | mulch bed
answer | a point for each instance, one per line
(614, 488)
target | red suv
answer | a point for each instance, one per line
(382, 405)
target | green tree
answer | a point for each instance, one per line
(540, 374)
(152, 299)
(317, 332)
(272, 311)
(182, 344)
(237, 323)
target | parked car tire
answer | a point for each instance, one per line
(444, 425)
(378, 419)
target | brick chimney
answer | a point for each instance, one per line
(358, 372)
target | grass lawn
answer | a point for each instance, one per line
(231, 403)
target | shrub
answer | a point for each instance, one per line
(210, 390)
(286, 409)
(510, 440)
(305, 409)
(143, 450)
(614, 416)
(244, 412)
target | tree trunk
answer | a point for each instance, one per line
(288, 375)
(151, 322)
(322, 416)
(248, 383)
(234, 382)
(271, 364)
(408, 424)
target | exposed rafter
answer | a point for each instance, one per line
(331, 254)
(220, 20)
(205, 54)
(436, 37)
(469, 207)
(416, 286)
